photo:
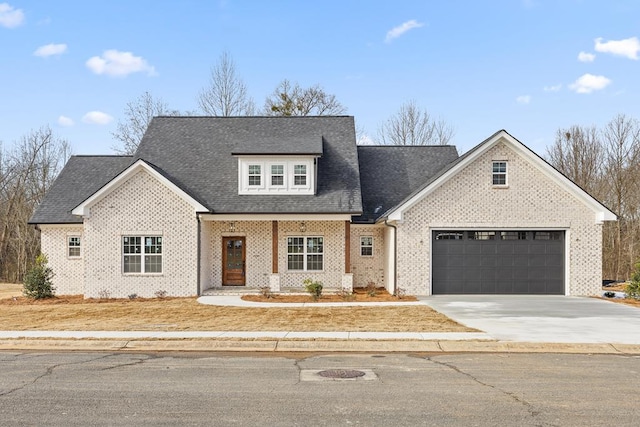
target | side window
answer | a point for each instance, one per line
(366, 246)
(255, 175)
(73, 246)
(300, 175)
(499, 176)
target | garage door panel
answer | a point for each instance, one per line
(511, 263)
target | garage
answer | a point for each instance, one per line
(498, 262)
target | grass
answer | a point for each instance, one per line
(186, 314)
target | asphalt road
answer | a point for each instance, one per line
(82, 389)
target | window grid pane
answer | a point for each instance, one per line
(255, 175)
(366, 246)
(499, 173)
(132, 249)
(305, 253)
(300, 175)
(74, 246)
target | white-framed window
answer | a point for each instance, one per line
(277, 175)
(305, 253)
(299, 175)
(74, 246)
(255, 175)
(499, 173)
(366, 245)
(142, 254)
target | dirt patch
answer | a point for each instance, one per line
(10, 290)
(68, 313)
(358, 295)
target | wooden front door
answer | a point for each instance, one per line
(233, 261)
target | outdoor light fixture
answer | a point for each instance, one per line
(303, 227)
(232, 226)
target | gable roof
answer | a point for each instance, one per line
(196, 154)
(389, 173)
(80, 177)
(602, 213)
(134, 168)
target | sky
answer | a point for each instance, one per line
(528, 66)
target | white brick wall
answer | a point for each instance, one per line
(69, 272)
(367, 269)
(532, 200)
(140, 206)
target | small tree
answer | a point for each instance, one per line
(633, 288)
(313, 287)
(37, 281)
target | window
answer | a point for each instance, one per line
(481, 235)
(449, 235)
(255, 175)
(366, 246)
(305, 253)
(513, 235)
(547, 235)
(137, 258)
(277, 175)
(500, 173)
(73, 246)
(300, 175)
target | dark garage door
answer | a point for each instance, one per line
(498, 262)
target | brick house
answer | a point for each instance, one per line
(211, 202)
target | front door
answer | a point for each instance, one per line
(233, 261)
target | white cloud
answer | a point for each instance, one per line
(586, 57)
(627, 47)
(401, 29)
(588, 83)
(50, 49)
(554, 88)
(10, 17)
(119, 64)
(65, 121)
(523, 99)
(97, 118)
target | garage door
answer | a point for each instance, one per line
(498, 262)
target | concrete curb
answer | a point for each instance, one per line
(332, 346)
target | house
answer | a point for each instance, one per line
(249, 202)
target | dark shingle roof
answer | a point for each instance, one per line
(196, 153)
(391, 173)
(80, 178)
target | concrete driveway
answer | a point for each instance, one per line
(532, 318)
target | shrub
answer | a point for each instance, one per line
(104, 294)
(314, 288)
(346, 295)
(265, 291)
(633, 288)
(160, 294)
(37, 281)
(133, 296)
(372, 291)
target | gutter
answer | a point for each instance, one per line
(395, 256)
(198, 255)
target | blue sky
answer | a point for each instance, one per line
(527, 66)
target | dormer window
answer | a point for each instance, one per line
(276, 175)
(299, 175)
(255, 175)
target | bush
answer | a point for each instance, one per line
(633, 288)
(37, 281)
(314, 288)
(372, 291)
(265, 291)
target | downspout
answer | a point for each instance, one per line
(199, 253)
(395, 256)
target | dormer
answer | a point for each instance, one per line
(283, 165)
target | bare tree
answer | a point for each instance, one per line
(226, 94)
(26, 173)
(292, 100)
(412, 125)
(578, 152)
(138, 114)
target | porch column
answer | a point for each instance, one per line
(274, 279)
(347, 277)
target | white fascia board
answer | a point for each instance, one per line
(275, 217)
(85, 207)
(601, 212)
(59, 226)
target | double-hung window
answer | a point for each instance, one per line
(73, 246)
(142, 254)
(255, 175)
(277, 175)
(300, 175)
(499, 176)
(305, 253)
(366, 246)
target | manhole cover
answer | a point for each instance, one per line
(341, 373)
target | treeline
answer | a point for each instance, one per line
(26, 173)
(606, 163)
